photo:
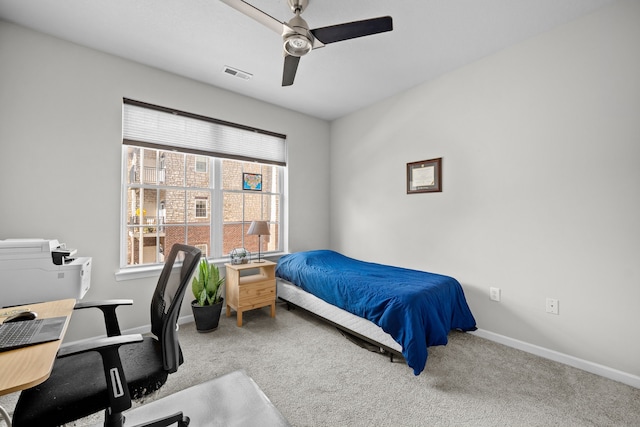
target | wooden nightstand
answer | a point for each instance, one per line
(250, 291)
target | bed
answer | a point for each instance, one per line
(401, 310)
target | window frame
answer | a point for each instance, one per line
(215, 212)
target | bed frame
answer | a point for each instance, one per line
(356, 328)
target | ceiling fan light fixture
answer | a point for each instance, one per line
(297, 44)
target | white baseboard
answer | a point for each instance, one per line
(594, 368)
(185, 319)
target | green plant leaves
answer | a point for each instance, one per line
(206, 287)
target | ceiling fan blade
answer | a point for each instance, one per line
(352, 30)
(258, 15)
(290, 68)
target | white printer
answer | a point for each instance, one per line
(37, 270)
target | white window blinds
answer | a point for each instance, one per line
(162, 128)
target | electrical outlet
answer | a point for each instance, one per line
(494, 294)
(552, 305)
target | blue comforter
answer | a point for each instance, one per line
(416, 308)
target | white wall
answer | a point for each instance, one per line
(60, 151)
(541, 149)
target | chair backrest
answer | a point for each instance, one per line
(167, 300)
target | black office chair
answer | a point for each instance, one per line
(105, 374)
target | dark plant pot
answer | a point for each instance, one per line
(206, 316)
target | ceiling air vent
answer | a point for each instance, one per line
(237, 73)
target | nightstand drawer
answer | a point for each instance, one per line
(265, 291)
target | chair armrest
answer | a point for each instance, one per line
(117, 387)
(97, 344)
(89, 304)
(108, 308)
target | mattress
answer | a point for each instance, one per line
(293, 294)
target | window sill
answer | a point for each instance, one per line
(141, 272)
(146, 271)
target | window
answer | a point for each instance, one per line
(201, 207)
(240, 207)
(204, 249)
(173, 193)
(201, 164)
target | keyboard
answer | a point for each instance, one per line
(18, 334)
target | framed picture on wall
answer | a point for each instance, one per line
(252, 181)
(424, 176)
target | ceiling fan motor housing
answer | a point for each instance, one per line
(299, 42)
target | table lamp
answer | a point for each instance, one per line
(258, 228)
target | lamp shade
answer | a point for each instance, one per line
(258, 228)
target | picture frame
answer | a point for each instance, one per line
(424, 176)
(252, 181)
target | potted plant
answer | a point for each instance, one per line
(207, 305)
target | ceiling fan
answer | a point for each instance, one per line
(298, 39)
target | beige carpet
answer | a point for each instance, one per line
(316, 377)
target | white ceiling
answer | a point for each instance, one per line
(197, 38)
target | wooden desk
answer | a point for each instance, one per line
(29, 366)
